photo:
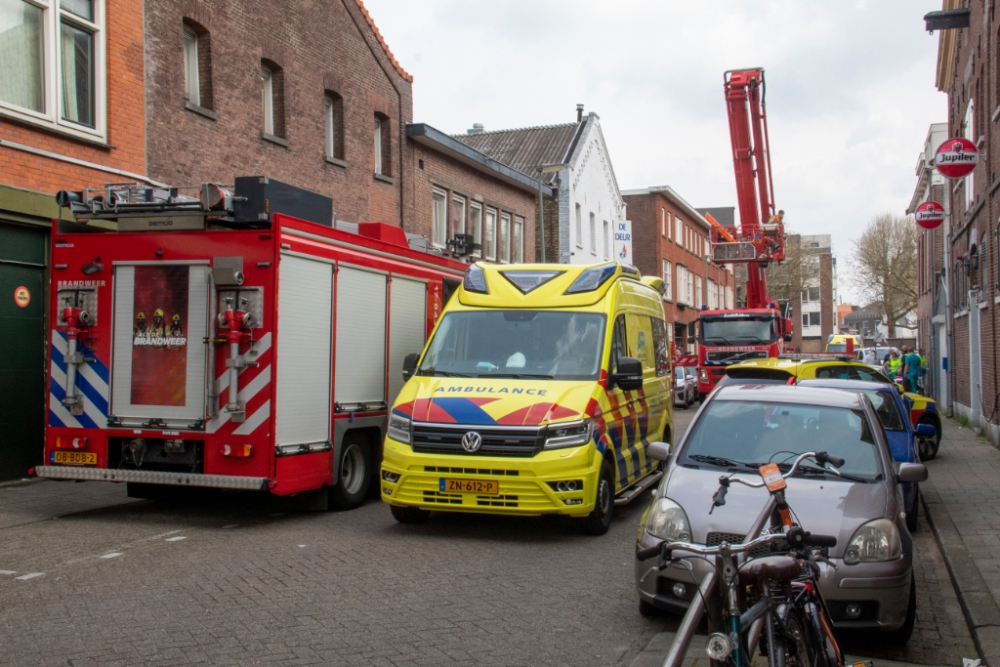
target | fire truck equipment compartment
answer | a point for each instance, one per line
(257, 197)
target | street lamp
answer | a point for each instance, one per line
(542, 170)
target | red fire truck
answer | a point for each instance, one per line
(761, 328)
(236, 340)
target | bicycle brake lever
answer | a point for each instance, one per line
(719, 499)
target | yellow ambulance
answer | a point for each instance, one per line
(538, 392)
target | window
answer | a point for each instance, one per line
(593, 234)
(730, 300)
(697, 292)
(811, 319)
(439, 228)
(678, 230)
(607, 240)
(663, 222)
(668, 272)
(334, 114)
(712, 299)
(661, 346)
(273, 98)
(805, 320)
(53, 63)
(579, 226)
(505, 237)
(670, 228)
(491, 234)
(683, 278)
(810, 295)
(381, 147)
(197, 65)
(457, 215)
(518, 240)
(476, 227)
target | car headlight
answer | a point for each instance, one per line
(399, 428)
(668, 521)
(569, 434)
(702, 375)
(876, 541)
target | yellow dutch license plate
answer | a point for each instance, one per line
(489, 487)
(76, 458)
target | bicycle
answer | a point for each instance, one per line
(773, 598)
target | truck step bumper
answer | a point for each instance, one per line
(153, 477)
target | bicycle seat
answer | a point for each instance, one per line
(783, 569)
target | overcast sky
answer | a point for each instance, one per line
(850, 90)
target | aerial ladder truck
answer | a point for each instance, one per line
(760, 327)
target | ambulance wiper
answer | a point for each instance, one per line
(517, 376)
(447, 374)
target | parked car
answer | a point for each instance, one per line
(900, 433)
(685, 386)
(742, 427)
(920, 409)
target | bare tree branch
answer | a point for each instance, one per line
(884, 266)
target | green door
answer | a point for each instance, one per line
(22, 348)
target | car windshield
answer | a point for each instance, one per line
(738, 330)
(517, 343)
(756, 432)
(851, 372)
(679, 372)
(887, 410)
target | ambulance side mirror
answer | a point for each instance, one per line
(410, 365)
(628, 375)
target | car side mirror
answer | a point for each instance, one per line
(787, 337)
(628, 375)
(410, 365)
(658, 451)
(926, 430)
(912, 472)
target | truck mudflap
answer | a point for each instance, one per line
(153, 477)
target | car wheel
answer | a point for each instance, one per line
(409, 514)
(902, 635)
(355, 473)
(928, 447)
(599, 521)
(911, 512)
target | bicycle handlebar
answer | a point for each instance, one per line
(702, 550)
(820, 457)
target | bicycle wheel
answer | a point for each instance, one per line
(802, 647)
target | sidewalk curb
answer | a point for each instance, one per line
(980, 609)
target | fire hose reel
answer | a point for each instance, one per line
(237, 323)
(76, 319)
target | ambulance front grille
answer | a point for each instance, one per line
(496, 501)
(472, 471)
(515, 441)
(439, 498)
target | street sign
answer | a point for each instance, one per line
(623, 241)
(929, 215)
(956, 158)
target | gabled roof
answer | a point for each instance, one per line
(385, 47)
(525, 149)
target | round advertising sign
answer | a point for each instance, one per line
(22, 297)
(956, 158)
(929, 215)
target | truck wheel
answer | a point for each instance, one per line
(409, 514)
(354, 474)
(599, 521)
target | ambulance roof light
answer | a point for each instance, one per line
(475, 280)
(527, 281)
(593, 278)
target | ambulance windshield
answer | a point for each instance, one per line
(527, 344)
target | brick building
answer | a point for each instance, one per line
(671, 239)
(71, 116)
(572, 159)
(967, 73)
(817, 300)
(932, 292)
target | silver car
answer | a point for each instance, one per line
(742, 427)
(685, 386)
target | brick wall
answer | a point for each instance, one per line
(325, 45)
(433, 169)
(125, 145)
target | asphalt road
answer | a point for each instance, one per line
(238, 582)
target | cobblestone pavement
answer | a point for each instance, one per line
(232, 582)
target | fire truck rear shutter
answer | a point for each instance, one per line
(305, 302)
(360, 369)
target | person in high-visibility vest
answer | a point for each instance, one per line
(895, 364)
(923, 371)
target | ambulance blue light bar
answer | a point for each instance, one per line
(592, 278)
(475, 280)
(527, 281)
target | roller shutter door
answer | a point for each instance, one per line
(360, 369)
(305, 304)
(407, 327)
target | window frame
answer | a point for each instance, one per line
(678, 231)
(333, 124)
(477, 227)
(490, 233)
(668, 273)
(517, 240)
(579, 226)
(436, 240)
(456, 226)
(51, 114)
(593, 235)
(607, 240)
(267, 98)
(192, 88)
(503, 238)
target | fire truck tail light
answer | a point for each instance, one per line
(71, 443)
(240, 451)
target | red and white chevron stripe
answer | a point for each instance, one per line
(251, 383)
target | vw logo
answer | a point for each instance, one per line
(471, 442)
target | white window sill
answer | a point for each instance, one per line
(961, 313)
(983, 305)
(274, 139)
(996, 299)
(384, 179)
(201, 111)
(93, 138)
(336, 161)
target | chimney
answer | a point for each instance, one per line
(477, 128)
(579, 112)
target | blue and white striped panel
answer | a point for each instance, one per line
(91, 386)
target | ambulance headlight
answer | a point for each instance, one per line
(569, 434)
(475, 280)
(399, 428)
